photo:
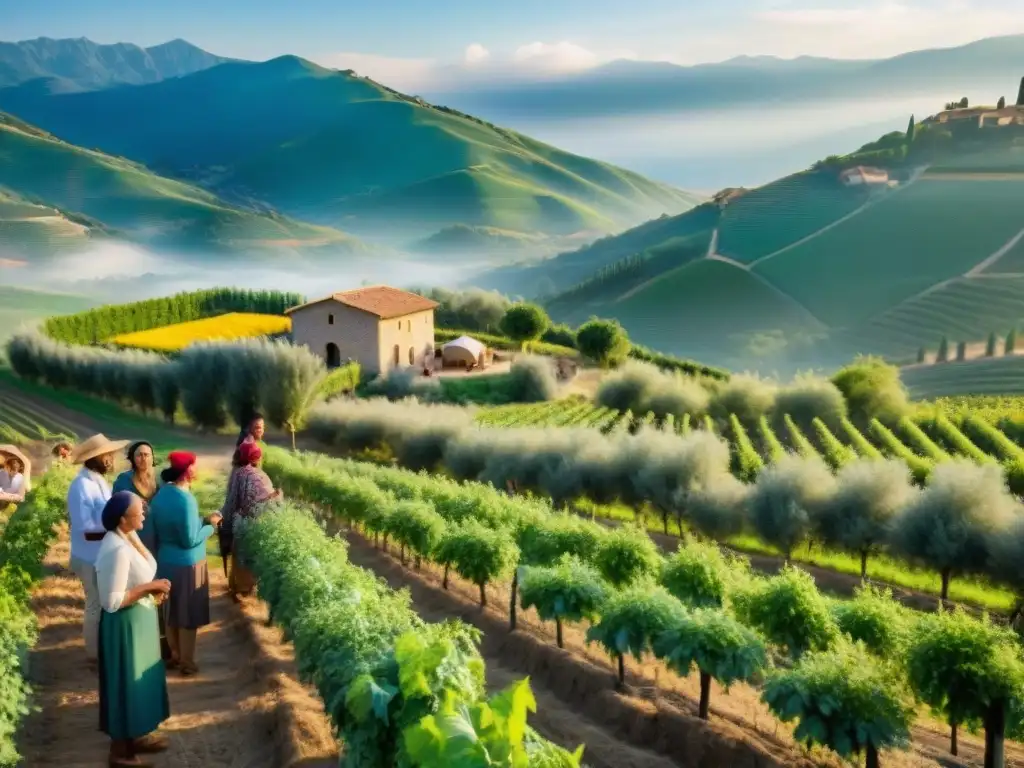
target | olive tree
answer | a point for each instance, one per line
(859, 516)
(719, 509)
(970, 670)
(845, 700)
(603, 341)
(1006, 561)
(787, 499)
(524, 323)
(950, 524)
(872, 389)
(720, 647)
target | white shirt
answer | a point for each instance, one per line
(12, 488)
(87, 496)
(120, 567)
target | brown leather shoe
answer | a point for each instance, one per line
(150, 744)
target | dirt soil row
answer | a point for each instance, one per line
(245, 709)
(654, 720)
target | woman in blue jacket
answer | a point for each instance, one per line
(180, 536)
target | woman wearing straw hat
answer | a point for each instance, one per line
(133, 683)
(15, 469)
(181, 557)
(88, 494)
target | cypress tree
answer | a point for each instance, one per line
(1001, 104)
(961, 350)
(1020, 94)
(911, 130)
(942, 355)
(920, 355)
(1011, 342)
(990, 348)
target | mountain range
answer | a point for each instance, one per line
(81, 64)
(638, 87)
(291, 139)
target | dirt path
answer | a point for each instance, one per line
(245, 709)
(654, 723)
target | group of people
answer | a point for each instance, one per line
(139, 548)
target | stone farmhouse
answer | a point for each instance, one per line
(380, 327)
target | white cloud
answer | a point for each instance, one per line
(475, 54)
(555, 57)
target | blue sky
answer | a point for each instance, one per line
(413, 41)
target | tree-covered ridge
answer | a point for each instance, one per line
(98, 325)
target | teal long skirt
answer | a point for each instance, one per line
(133, 682)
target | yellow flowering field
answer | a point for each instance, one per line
(234, 325)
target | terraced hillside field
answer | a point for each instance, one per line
(986, 376)
(924, 234)
(784, 212)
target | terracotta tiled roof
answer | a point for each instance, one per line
(381, 300)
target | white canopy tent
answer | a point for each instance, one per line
(464, 350)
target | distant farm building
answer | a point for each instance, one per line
(861, 175)
(727, 195)
(380, 327)
(1001, 117)
(465, 352)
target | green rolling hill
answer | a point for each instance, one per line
(344, 151)
(56, 195)
(806, 272)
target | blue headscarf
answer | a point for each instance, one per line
(116, 508)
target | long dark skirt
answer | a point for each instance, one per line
(133, 683)
(189, 604)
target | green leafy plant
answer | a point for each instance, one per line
(700, 574)
(478, 554)
(845, 700)
(970, 671)
(789, 611)
(567, 591)
(874, 619)
(631, 620)
(627, 554)
(718, 645)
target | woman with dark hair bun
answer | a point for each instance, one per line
(181, 557)
(133, 684)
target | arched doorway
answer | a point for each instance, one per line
(412, 356)
(398, 356)
(333, 355)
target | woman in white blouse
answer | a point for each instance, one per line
(133, 682)
(13, 476)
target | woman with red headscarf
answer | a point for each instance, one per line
(249, 489)
(180, 536)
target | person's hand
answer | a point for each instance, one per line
(276, 494)
(160, 587)
(215, 518)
